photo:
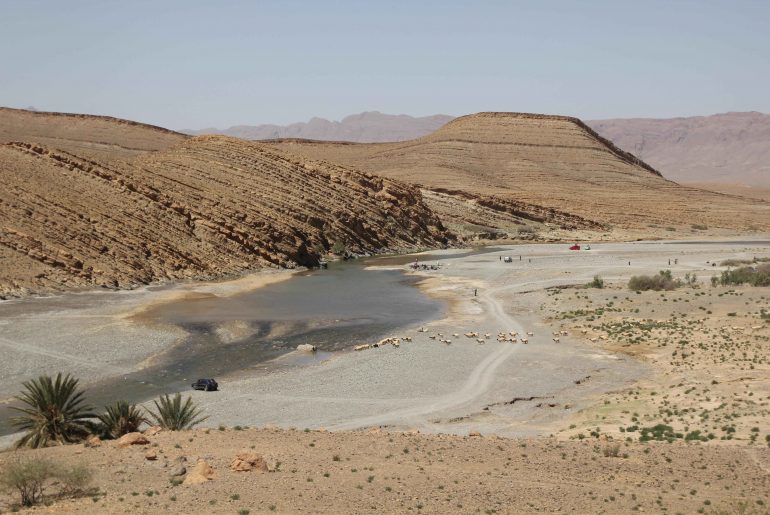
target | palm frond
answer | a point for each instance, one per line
(175, 416)
(54, 412)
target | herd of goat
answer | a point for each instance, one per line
(511, 336)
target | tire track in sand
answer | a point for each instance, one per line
(478, 382)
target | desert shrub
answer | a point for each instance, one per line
(54, 412)
(120, 418)
(175, 416)
(698, 227)
(74, 480)
(738, 262)
(691, 280)
(659, 432)
(338, 248)
(755, 276)
(527, 230)
(611, 451)
(662, 281)
(27, 477)
(597, 282)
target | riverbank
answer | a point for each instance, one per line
(510, 389)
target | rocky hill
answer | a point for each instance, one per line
(101, 137)
(205, 207)
(548, 169)
(367, 127)
(731, 148)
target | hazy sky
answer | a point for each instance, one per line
(195, 64)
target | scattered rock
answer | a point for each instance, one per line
(152, 431)
(178, 470)
(306, 347)
(200, 473)
(130, 439)
(474, 434)
(248, 461)
(93, 441)
(272, 464)
(151, 455)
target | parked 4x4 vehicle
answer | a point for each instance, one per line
(208, 385)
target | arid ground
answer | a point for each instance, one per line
(619, 401)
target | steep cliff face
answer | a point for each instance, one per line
(543, 164)
(206, 207)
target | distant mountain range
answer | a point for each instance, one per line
(367, 127)
(729, 148)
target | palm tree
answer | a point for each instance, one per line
(120, 418)
(175, 416)
(55, 412)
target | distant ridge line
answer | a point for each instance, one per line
(81, 116)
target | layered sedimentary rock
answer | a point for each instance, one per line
(551, 168)
(206, 207)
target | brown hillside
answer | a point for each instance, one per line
(209, 206)
(556, 165)
(100, 137)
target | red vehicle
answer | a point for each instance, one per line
(575, 247)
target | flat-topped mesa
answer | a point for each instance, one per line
(518, 128)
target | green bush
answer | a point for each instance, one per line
(55, 412)
(175, 416)
(662, 281)
(755, 276)
(597, 282)
(120, 418)
(338, 248)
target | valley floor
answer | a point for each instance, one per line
(656, 401)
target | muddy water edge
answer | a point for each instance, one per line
(245, 333)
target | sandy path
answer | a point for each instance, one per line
(479, 380)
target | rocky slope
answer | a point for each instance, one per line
(101, 137)
(205, 207)
(731, 148)
(367, 127)
(550, 169)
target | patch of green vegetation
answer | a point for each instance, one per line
(662, 281)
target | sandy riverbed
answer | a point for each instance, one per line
(467, 386)
(424, 384)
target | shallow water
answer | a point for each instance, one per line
(332, 309)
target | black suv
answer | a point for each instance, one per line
(208, 385)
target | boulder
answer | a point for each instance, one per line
(306, 347)
(474, 434)
(200, 473)
(151, 455)
(248, 461)
(178, 467)
(130, 439)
